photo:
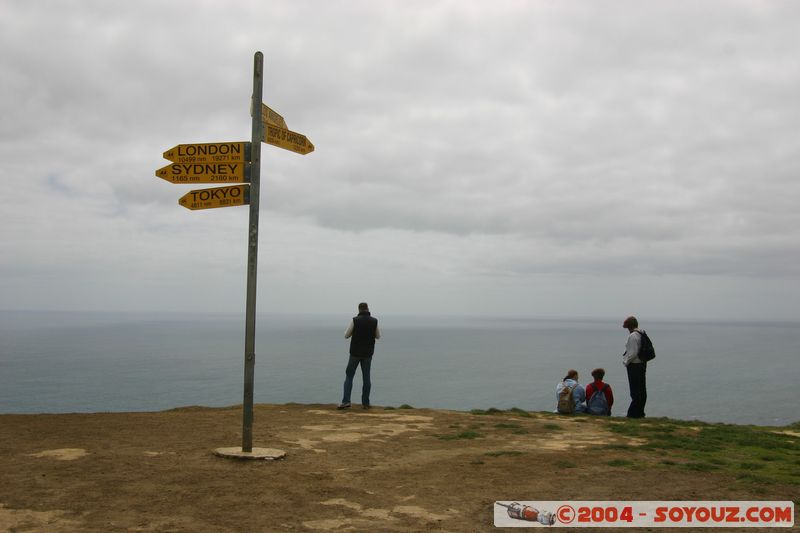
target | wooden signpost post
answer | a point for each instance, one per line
(237, 162)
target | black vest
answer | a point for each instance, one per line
(362, 343)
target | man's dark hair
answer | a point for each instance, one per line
(631, 322)
(598, 374)
(363, 307)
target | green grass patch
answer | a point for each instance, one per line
(749, 476)
(489, 411)
(752, 454)
(502, 452)
(619, 462)
(566, 464)
(405, 406)
(464, 435)
(388, 408)
(520, 432)
(515, 411)
(554, 427)
(699, 466)
(503, 425)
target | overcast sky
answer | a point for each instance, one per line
(522, 158)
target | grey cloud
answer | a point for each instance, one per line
(473, 141)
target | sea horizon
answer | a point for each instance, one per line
(85, 361)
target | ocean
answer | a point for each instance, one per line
(54, 362)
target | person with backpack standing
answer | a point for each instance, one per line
(636, 367)
(570, 395)
(599, 396)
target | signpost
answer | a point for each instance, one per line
(237, 162)
(216, 197)
(257, 127)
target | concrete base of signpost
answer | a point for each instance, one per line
(259, 454)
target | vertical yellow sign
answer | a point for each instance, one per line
(268, 116)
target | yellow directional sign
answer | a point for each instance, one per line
(286, 139)
(224, 152)
(216, 197)
(205, 173)
(268, 116)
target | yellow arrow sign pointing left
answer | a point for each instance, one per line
(216, 197)
(224, 152)
(204, 173)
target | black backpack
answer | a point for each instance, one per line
(646, 350)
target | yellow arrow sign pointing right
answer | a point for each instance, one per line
(287, 139)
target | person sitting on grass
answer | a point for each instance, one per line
(599, 396)
(570, 396)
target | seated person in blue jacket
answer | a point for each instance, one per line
(569, 386)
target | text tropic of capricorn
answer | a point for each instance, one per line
(287, 135)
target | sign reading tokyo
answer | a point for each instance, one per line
(205, 173)
(228, 152)
(287, 139)
(216, 197)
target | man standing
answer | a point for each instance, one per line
(637, 369)
(362, 332)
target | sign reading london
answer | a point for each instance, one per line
(228, 152)
(204, 173)
(216, 197)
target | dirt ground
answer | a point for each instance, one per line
(379, 470)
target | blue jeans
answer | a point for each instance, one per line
(350, 372)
